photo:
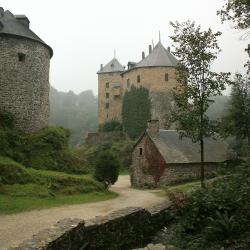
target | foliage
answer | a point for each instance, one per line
(238, 11)
(78, 113)
(106, 168)
(196, 50)
(237, 121)
(12, 172)
(218, 214)
(6, 120)
(111, 126)
(136, 111)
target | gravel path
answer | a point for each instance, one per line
(18, 227)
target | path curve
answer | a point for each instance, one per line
(18, 227)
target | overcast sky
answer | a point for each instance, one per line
(84, 34)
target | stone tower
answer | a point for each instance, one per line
(110, 91)
(156, 72)
(24, 73)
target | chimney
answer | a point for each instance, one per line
(153, 127)
(168, 49)
(1, 12)
(101, 67)
(23, 19)
(143, 55)
(149, 49)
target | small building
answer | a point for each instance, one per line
(161, 157)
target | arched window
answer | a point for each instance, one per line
(166, 77)
(138, 78)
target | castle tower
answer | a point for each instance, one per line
(110, 92)
(24, 72)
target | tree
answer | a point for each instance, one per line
(136, 111)
(196, 50)
(237, 11)
(106, 168)
(111, 126)
(237, 121)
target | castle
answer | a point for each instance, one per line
(24, 72)
(156, 72)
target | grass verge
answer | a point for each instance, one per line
(10, 204)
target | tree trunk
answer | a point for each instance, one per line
(202, 162)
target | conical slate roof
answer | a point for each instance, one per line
(112, 66)
(158, 57)
(11, 25)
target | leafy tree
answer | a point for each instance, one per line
(237, 121)
(106, 168)
(238, 11)
(136, 111)
(111, 126)
(196, 50)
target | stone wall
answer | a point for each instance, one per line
(97, 138)
(123, 229)
(152, 78)
(24, 82)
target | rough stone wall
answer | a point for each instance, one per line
(152, 78)
(24, 85)
(141, 168)
(114, 101)
(123, 229)
(104, 137)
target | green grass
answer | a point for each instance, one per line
(185, 187)
(10, 204)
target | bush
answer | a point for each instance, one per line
(6, 120)
(12, 172)
(111, 126)
(106, 168)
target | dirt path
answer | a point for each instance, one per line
(18, 227)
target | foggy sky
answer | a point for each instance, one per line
(84, 34)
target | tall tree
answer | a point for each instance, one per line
(136, 110)
(196, 50)
(237, 121)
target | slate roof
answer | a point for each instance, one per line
(158, 57)
(113, 66)
(10, 25)
(176, 150)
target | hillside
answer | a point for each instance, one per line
(77, 112)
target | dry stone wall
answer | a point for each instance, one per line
(24, 81)
(123, 229)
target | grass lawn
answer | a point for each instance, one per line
(12, 204)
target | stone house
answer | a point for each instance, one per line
(161, 157)
(156, 72)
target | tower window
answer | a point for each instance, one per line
(128, 83)
(107, 95)
(140, 151)
(21, 57)
(166, 77)
(107, 85)
(107, 105)
(138, 78)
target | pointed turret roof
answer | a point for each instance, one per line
(113, 66)
(18, 25)
(158, 57)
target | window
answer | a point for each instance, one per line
(140, 151)
(138, 78)
(107, 95)
(107, 115)
(107, 85)
(107, 105)
(128, 83)
(117, 97)
(166, 77)
(21, 57)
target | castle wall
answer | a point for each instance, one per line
(114, 99)
(24, 82)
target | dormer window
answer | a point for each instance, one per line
(21, 57)
(112, 65)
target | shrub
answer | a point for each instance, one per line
(111, 126)
(106, 168)
(6, 120)
(12, 172)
